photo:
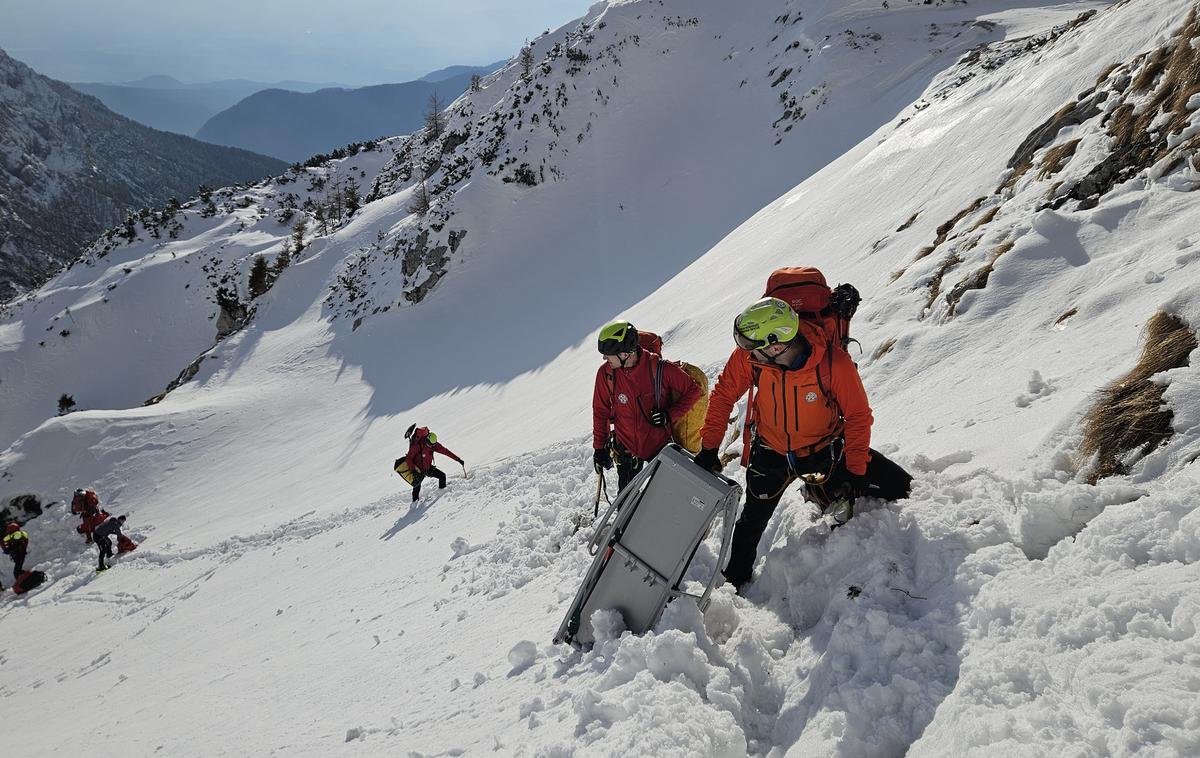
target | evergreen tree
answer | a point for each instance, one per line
(421, 201)
(66, 404)
(298, 231)
(321, 218)
(435, 120)
(476, 82)
(526, 61)
(260, 277)
(351, 196)
(284, 259)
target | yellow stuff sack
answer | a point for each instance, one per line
(401, 468)
(686, 430)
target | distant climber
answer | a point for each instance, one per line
(418, 462)
(110, 527)
(16, 545)
(637, 394)
(85, 504)
(809, 419)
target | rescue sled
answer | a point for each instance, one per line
(28, 580)
(645, 541)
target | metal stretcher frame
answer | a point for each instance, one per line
(645, 542)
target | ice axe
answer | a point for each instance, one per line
(464, 468)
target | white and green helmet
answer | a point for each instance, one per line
(769, 321)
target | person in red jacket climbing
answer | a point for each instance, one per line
(632, 404)
(85, 504)
(810, 419)
(421, 447)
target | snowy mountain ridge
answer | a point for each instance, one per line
(1011, 237)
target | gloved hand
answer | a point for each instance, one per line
(857, 485)
(602, 459)
(658, 417)
(708, 460)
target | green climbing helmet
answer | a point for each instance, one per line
(618, 337)
(769, 321)
(432, 438)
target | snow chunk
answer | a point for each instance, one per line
(522, 655)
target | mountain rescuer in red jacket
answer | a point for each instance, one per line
(633, 395)
(809, 419)
(421, 447)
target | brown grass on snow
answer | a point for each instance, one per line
(1129, 413)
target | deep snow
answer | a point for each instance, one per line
(288, 599)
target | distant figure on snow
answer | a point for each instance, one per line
(111, 527)
(421, 447)
(637, 395)
(86, 505)
(16, 545)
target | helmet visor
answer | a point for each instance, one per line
(747, 343)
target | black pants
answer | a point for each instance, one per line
(628, 466)
(768, 476)
(18, 564)
(106, 550)
(433, 471)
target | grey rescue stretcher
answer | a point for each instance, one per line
(643, 553)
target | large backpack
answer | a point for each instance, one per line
(804, 288)
(85, 501)
(685, 430)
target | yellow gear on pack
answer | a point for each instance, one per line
(401, 468)
(686, 430)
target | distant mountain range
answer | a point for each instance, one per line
(71, 168)
(297, 125)
(171, 105)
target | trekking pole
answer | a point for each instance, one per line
(464, 468)
(599, 485)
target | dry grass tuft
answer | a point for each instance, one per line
(911, 220)
(1056, 157)
(977, 280)
(1129, 414)
(986, 218)
(1066, 316)
(935, 285)
(883, 349)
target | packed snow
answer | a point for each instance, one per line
(288, 598)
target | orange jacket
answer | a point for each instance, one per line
(798, 410)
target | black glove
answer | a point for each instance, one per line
(658, 417)
(602, 459)
(708, 460)
(857, 485)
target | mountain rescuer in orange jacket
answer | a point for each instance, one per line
(421, 447)
(633, 397)
(809, 419)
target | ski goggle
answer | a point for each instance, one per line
(612, 347)
(749, 344)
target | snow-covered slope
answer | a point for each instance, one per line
(286, 592)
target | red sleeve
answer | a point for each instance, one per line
(601, 407)
(677, 382)
(851, 397)
(440, 448)
(733, 382)
(411, 457)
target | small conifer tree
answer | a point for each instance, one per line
(476, 82)
(66, 404)
(284, 259)
(435, 120)
(526, 61)
(298, 230)
(260, 277)
(421, 201)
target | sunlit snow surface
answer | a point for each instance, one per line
(288, 598)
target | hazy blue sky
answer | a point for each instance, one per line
(347, 41)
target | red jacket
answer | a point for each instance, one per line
(420, 454)
(633, 389)
(797, 410)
